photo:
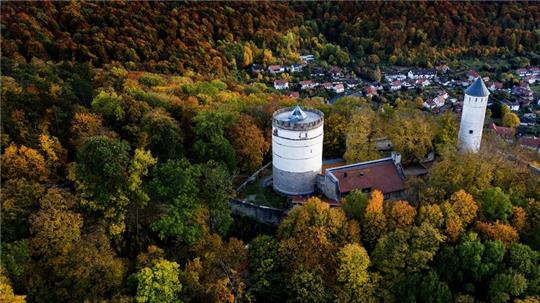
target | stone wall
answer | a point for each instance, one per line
(263, 214)
(294, 184)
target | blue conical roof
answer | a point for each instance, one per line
(477, 89)
(297, 114)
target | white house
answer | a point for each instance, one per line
(495, 86)
(530, 79)
(392, 77)
(327, 85)
(472, 74)
(427, 73)
(396, 85)
(281, 84)
(351, 83)
(339, 88)
(276, 69)
(514, 106)
(308, 84)
(436, 102)
(307, 58)
(407, 84)
(295, 68)
(423, 82)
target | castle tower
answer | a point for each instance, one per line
(297, 145)
(472, 116)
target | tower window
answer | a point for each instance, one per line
(470, 131)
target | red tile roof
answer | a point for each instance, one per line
(275, 67)
(381, 175)
(473, 73)
(327, 85)
(294, 94)
(339, 86)
(533, 142)
(502, 131)
(280, 82)
(371, 90)
(307, 82)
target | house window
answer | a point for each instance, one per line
(470, 131)
(366, 190)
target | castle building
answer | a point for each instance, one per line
(297, 147)
(385, 175)
(297, 171)
(472, 116)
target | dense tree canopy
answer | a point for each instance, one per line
(126, 126)
(176, 37)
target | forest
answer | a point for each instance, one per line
(125, 127)
(220, 39)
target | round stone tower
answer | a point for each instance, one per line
(472, 116)
(297, 145)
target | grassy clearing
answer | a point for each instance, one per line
(255, 193)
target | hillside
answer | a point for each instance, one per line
(127, 127)
(222, 38)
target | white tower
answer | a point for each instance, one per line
(297, 145)
(472, 116)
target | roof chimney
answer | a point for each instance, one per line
(396, 157)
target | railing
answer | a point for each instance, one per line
(253, 177)
(299, 125)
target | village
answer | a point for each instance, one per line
(440, 90)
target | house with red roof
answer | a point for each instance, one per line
(281, 84)
(371, 91)
(339, 88)
(276, 69)
(423, 82)
(308, 84)
(495, 86)
(532, 143)
(506, 133)
(295, 95)
(385, 175)
(396, 85)
(472, 74)
(327, 85)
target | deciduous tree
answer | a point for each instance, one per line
(23, 162)
(174, 186)
(163, 135)
(361, 134)
(159, 283)
(400, 214)
(248, 142)
(496, 204)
